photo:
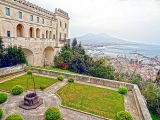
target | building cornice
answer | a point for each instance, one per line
(26, 5)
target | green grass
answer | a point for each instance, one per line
(154, 116)
(22, 80)
(58, 70)
(91, 99)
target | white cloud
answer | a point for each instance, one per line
(136, 20)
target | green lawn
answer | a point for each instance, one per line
(58, 70)
(22, 80)
(95, 100)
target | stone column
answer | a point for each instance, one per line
(34, 32)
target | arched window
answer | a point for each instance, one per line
(65, 36)
(59, 36)
(20, 30)
(54, 37)
(60, 24)
(37, 33)
(65, 25)
(31, 32)
(50, 35)
(47, 34)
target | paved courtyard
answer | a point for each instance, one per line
(51, 99)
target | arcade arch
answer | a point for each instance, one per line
(48, 55)
(29, 55)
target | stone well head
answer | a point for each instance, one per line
(31, 99)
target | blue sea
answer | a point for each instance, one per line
(144, 49)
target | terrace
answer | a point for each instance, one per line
(86, 99)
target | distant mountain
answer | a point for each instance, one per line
(101, 38)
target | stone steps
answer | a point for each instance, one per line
(11, 76)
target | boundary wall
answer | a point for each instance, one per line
(12, 69)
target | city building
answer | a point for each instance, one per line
(39, 32)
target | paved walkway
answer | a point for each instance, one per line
(130, 105)
(51, 99)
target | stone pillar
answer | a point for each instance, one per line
(34, 33)
(15, 30)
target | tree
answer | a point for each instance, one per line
(74, 42)
(77, 64)
(67, 56)
(157, 81)
(137, 79)
(58, 61)
(66, 47)
(12, 56)
(152, 98)
(1, 45)
(22, 58)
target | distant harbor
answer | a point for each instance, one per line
(145, 58)
(120, 49)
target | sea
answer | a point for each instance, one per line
(147, 50)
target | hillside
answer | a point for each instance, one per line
(101, 38)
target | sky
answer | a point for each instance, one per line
(132, 20)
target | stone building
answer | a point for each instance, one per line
(39, 32)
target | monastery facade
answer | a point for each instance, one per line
(39, 32)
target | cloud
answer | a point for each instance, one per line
(135, 20)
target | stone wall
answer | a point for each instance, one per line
(13, 69)
(140, 103)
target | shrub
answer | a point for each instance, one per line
(42, 87)
(52, 113)
(14, 117)
(124, 115)
(29, 72)
(70, 79)
(17, 89)
(123, 90)
(1, 113)
(60, 77)
(3, 97)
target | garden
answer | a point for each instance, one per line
(95, 100)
